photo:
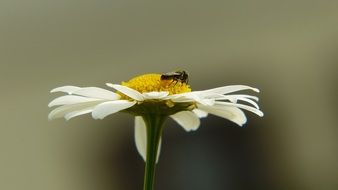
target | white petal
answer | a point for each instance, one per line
(249, 101)
(181, 98)
(246, 107)
(187, 119)
(63, 110)
(155, 95)
(234, 99)
(134, 94)
(70, 99)
(107, 108)
(94, 92)
(70, 115)
(207, 102)
(213, 95)
(231, 113)
(141, 138)
(200, 113)
(227, 97)
(66, 89)
(228, 89)
(191, 97)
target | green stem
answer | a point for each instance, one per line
(154, 125)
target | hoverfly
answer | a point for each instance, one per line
(177, 76)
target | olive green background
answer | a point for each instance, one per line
(287, 49)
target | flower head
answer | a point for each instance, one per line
(150, 95)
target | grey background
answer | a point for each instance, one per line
(288, 49)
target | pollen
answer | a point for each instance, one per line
(153, 82)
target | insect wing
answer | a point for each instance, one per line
(172, 74)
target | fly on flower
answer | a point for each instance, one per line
(177, 76)
(152, 99)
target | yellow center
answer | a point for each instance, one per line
(153, 82)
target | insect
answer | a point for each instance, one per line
(177, 76)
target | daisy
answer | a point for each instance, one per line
(152, 100)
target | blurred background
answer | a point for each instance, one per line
(287, 49)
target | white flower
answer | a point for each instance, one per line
(191, 105)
